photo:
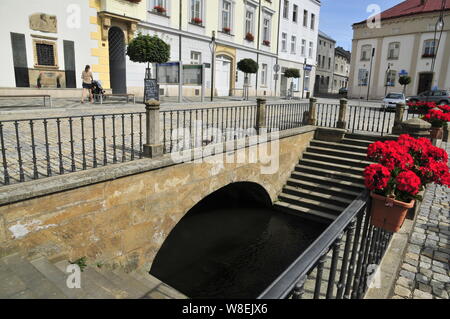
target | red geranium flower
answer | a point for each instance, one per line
(376, 176)
(408, 182)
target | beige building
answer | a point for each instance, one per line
(405, 42)
(341, 69)
(325, 64)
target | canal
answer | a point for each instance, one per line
(232, 245)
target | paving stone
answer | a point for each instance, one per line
(440, 292)
(424, 265)
(426, 272)
(412, 256)
(439, 270)
(409, 267)
(441, 277)
(397, 297)
(402, 291)
(422, 278)
(407, 274)
(412, 262)
(405, 282)
(442, 257)
(418, 294)
(428, 252)
(425, 288)
(414, 249)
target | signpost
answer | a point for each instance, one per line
(151, 90)
(306, 68)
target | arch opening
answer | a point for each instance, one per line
(232, 244)
(117, 60)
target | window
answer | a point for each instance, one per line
(264, 75)
(306, 80)
(295, 13)
(336, 67)
(305, 18)
(313, 21)
(342, 68)
(283, 42)
(266, 29)
(158, 6)
(196, 57)
(391, 77)
(45, 54)
(329, 63)
(249, 22)
(394, 50)
(196, 9)
(429, 48)
(310, 50)
(226, 15)
(286, 9)
(303, 49)
(366, 52)
(293, 44)
(323, 62)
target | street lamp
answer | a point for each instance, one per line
(212, 45)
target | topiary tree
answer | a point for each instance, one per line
(148, 49)
(248, 66)
(404, 80)
(292, 73)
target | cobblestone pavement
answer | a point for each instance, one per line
(425, 272)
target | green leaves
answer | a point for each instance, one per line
(404, 80)
(292, 73)
(247, 66)
(148, 49)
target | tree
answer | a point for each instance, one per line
(248, 66)
(404, 80)
(292, 73)
(148, 49)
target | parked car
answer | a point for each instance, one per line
(390, 101)
(343, 91)
(437, 96)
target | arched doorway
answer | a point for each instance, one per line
(117, 64)
(232, 244)
(223, 75)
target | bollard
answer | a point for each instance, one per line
(153, 148)
(260, 115)
(341, 123)
(399, 111)
(312, 111)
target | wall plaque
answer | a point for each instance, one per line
(43, 22)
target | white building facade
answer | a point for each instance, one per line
(297, 47)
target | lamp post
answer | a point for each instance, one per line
(213, 62)
(304, 75)
(370, 73)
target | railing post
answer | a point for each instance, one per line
(312, 111)
(153, 147)
(341, 123)
(260, 115)
(399, 112)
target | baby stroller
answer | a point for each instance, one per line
(97, 91)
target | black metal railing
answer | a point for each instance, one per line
(340, 262)
(281, 117)
(191, 128)
(43, 147)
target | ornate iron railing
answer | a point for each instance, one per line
(340, 262)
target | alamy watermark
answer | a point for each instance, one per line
(374, 20)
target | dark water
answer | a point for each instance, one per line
(232, 252)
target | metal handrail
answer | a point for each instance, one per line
(285, 283)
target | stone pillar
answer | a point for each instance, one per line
(341, 123)
(153, 147)
(415, 127)
(399, 111)
(260, 115)
(312, 111)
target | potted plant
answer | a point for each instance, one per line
(226, 30)
(248, 66)
(403, 169)
(404, 81)
(438, 120)
(159, 9)
(197, 21)
(266, 42)
(249, 37)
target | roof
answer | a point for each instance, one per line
(324, 35)
(412, 7)
(343, 52)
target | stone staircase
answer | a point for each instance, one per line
(327, 178)
(21, 278)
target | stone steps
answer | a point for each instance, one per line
(327, 179)
(40, 278)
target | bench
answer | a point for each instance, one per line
(44, 96)
(128, 96)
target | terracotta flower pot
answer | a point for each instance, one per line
(437, 133)
(387, 213)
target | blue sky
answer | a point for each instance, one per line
(337, 17)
